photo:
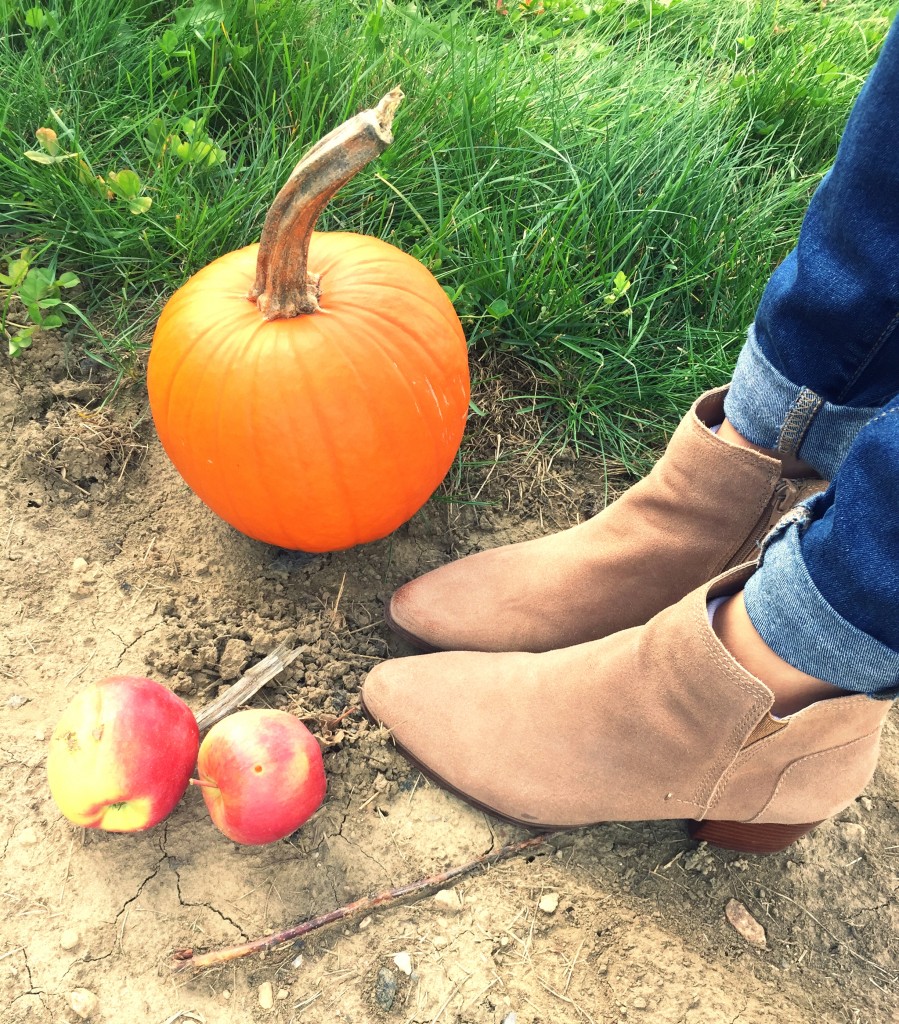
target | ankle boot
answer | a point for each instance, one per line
(702, 509)
(658, 721)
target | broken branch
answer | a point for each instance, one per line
(186, 960)
(249, 683)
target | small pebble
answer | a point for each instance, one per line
(28, 836)
(385, 988)
(69, 939)
(639, 1003)
(266, 995)
(745, 924)
(226, 994)
(364, 923)
(17, 701)
(404, 962)
(84, 1003)
(449, 899)
(40, 735)
(297, 962)
(867, 803)
(440, 941)
(549, 903)
(282, 993)
(79, 565)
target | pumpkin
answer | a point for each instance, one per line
(312, 389)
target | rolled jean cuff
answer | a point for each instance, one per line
(791, 616)
(773, 412)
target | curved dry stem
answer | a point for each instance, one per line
(284, 287)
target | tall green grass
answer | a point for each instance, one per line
(603, 189)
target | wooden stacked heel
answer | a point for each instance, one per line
(748, 837)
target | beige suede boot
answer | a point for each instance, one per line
(703, 508)
(658, 721)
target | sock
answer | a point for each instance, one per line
(713, 606)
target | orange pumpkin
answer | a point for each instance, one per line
(312, 389)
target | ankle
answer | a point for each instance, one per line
(793, 690)
(791, 466)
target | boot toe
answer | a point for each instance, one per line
(412, 614)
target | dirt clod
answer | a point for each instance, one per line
(385, 988)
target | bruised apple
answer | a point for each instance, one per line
(122, 754)
(262, 775)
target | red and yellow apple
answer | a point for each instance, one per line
(262, 775)
(122, 754)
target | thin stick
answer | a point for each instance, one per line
(249, 683)
(185, 959)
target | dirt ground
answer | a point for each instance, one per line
(109, 565)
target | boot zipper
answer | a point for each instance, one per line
(781, 499)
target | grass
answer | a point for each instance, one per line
(603, 189)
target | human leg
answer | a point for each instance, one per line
(826, 596)
(823, 354)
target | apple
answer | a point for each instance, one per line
(122, 754)
(262, 775)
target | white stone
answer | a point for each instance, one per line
(404, 962)
(266, 995)
(549, 903)
(449, 899)
(84, 1003)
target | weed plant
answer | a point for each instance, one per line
(602, 189)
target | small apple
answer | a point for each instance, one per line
(122, 754)
(262, 775)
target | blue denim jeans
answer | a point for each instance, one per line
(819, 378)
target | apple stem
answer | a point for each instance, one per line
(185, 959)
(204, 783)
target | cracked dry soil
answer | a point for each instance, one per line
(109, 565)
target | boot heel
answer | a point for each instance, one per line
(747, 837)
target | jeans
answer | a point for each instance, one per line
(819, 378)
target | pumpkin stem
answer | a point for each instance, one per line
(284, 287)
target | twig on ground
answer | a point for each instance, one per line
(185, 959)
(249, 683)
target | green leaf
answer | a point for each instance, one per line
(67, 280)
(51, 321)
(17, 272)
(125, 184)
(499, 308)
(140, 205)
(169, 41)
(36, 18)
(156, 131)
(38, 284)
(20, 341)
(44, 158)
